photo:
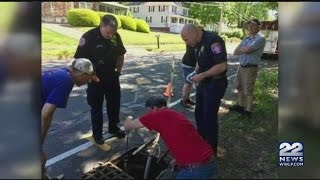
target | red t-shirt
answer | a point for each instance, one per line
(180, 136)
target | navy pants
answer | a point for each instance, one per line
(108, 88)
(208, 99)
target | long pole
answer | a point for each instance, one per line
(171, 79)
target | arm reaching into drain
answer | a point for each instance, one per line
(130, 124)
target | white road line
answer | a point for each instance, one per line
(69, 153)
(89, 144)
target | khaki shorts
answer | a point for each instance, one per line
(246, 78)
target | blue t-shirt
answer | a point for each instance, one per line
(56, 87)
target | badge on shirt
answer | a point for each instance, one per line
(216, 48)
(99, 46)
(114, 40)
(82, 42)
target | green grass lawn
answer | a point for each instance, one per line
(57, 46)
(250, 145)
(7, 13)
(138, 38)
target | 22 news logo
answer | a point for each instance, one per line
(291, 154)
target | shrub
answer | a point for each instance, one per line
(128, 23)
(237, 34)
(142, 26)
(101, 14)
(233, 33)
(234, 39)
(224, 37)
(83, 17)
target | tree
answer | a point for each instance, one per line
(205, 12)
(240, 12)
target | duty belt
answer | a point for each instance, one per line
(221, 76)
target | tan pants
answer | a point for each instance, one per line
(246, 78)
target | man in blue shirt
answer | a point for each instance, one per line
(250, 51)
(56, 87)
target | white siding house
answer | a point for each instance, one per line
(167, 16)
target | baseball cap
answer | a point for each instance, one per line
(83, 65)
(255, 21)
(156, 101)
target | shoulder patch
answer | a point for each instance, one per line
(216, 48)
(82, 42)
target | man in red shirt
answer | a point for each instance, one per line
(193, 156)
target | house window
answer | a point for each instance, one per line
(174, 9)
(83, 5)
(174, 19)
(185, 12)
(102, 8)
(181, 21)
(151, 8)
(167, 8)
(149, 19)
(164, 19)
(109, 10)
(89, 5)
(135, 9)
(190, 21)
(162, 8)
(51, 6)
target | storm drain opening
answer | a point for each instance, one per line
(128, 166)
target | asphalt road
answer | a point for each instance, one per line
(69, 146)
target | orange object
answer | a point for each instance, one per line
(168, 90)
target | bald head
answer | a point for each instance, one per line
(190, 34)
(189, 28)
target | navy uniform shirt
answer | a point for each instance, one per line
(210, 51)
(103, 53)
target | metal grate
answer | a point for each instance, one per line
(107, 171)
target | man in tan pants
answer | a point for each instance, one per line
(250, 51)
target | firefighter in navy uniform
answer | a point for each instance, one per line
(104, 48)
(211, 79)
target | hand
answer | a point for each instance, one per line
(197, 78)
(129, 118)
(118, 73)
(95, 78)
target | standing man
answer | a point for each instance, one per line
(188, 66)
(250, 51)
(211, 56)
(193, 156)
(56, 87)
(103, 47)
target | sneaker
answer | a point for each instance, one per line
(99, 141)
(237, 108)
(185, 104)
(247, 114)
(118, 133)
(189, 101)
